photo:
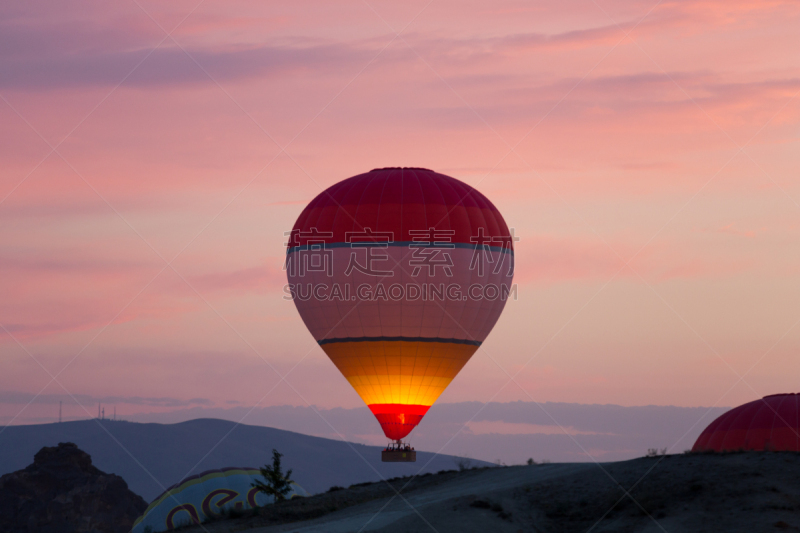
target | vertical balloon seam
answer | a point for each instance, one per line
(751, 433)
(424, 210)
(430, 187)
(369, 178)
(716, 439)
(458, 320)
(477, 314)
(726, 437)
(393, 267)
(383, 348)
(776, 419)
(402, 237)
(333, 199)
(710, 430)
(329, 197)
(430, 201)
(426, 207)
(721, 434)
(340, 208)
(478, 218)
(743, 420)
(503, 229)
(473, 220)
(766, 426)
(790, 421)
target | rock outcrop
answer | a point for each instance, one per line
(61, 492)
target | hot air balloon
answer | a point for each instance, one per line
(769, 424)
(400, 275)
(206, 495)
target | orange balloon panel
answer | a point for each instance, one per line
(399, 380)
(399, 371)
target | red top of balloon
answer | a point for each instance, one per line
(404, 202)
(771, 423)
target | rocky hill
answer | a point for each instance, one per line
(62, 492)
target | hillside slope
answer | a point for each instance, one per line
(151, 457)
(737, 492)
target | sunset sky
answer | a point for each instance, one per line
(153, 154)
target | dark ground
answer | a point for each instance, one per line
(735, 492)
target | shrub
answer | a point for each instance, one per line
(655, 452)
(463, 463)
(276, 483)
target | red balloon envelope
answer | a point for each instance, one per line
(771, 423)
(400, 275)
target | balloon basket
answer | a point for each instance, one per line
(398, 452)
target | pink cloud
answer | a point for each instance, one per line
(547, 260)
(259, 279)
(731, 230)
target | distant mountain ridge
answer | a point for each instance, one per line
(150, 457)
(507, 431)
